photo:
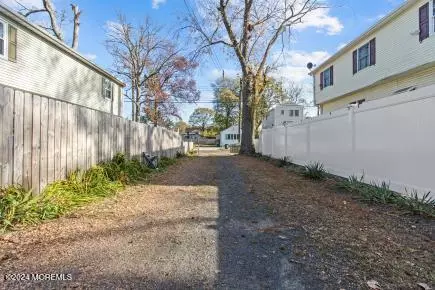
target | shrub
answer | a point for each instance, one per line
(166, 162)
(180, 155)
(124, 170)
(285, 161)
(424, 205)
(18, 206)
(315, 171)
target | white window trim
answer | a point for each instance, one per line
(357, 57)
(5, 39)
(324, 80)
(431, 18)
(111, 89)
(368, 56)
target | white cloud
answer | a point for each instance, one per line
(323, 21)
(156, 3)
(90, 56)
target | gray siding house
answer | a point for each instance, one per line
(32, 60)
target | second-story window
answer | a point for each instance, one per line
(364, 56)
(107, 88)
(2, 39)
(327, 78)
(433, 15)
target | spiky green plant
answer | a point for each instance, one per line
(315, 171)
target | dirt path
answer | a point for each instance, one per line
(216, 221)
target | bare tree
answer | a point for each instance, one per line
(56, 20)
(131, 49)
(149, 64)
(250, 29)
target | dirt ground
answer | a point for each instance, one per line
(227, 222)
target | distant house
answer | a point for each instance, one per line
(283, 114)
(229, 136)
(191, 136)
(32, 60)
(394, 56)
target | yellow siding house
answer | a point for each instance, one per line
(395, 55)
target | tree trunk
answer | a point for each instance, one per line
(77, 12)
(137, 104)
(132, 104)
(248, 117)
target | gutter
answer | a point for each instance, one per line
(384, 21)
(21, 20)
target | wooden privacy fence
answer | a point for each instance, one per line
(44, 139)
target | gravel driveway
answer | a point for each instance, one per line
(198, 225)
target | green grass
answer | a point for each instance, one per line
(20, 207)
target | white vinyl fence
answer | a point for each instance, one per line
(390, 139)
(44, 139)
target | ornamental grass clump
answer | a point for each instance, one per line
(315, 171)
(382, 194)
(20, 207)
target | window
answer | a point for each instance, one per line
(12, 44)
(2, 39)
(296, 113)
(291, 113)
(423, 20)
(327, 78)
(282, 112)
(364, 56)
(433, 16)
(107, 88)
(227, 136)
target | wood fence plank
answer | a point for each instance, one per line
(81, 138)
(6, 118)
(27, 141)
(94, 137)
(18, 138)
(100, 136)
(51, 160)
(74, 127)
(44, 144)
(70, 147)
(36, 143)
(89, 138)
(57, 140)
(64, 140)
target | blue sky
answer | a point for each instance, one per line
(318, 38)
